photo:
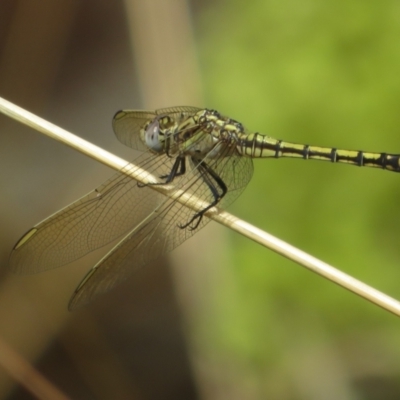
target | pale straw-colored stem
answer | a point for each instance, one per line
(218, 215)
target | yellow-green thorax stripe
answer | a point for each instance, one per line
(259, 146)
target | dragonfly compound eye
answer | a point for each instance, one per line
(152, 137)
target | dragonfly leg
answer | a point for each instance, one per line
(208, 175)
(178, 169)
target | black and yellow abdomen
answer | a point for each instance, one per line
(256, 145)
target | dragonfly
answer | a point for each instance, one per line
(201, 153)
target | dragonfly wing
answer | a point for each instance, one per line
(160, 232)
(157, 234)
(127, 124)
(104, 214)
(96, 219)
(178, 110)
(234, 170)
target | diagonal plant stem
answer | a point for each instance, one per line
(217, 214)
(24, 373)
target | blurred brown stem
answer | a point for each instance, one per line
(24, 373)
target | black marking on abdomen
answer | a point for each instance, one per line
(333, 155)
(254, 145)
(360, 158)
(390, 161)
(306, 151)
(383, 160)
(278, 148)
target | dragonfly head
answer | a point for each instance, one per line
(152, 137)
(154, 134)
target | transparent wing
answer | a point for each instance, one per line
(177, 110)
(160, 232)
(128, 123)
(96, 219)
(150, 221)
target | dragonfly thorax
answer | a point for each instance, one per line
(204, 134)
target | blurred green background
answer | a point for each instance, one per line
(323, 73)
(234, 320)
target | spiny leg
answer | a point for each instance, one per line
(206, 174)
(178, 169)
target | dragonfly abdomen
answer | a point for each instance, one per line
(256, 145)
